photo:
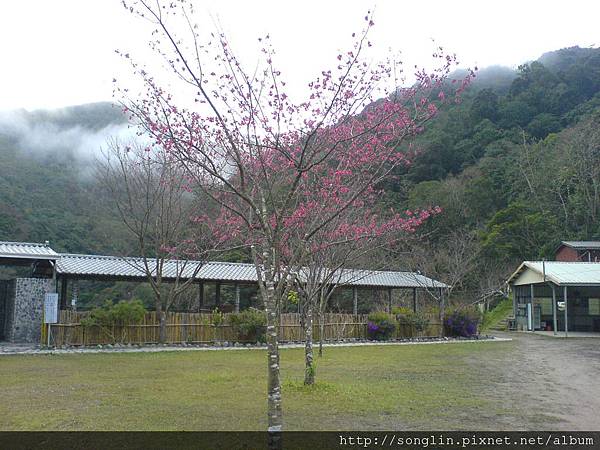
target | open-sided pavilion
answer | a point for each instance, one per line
(57, 271)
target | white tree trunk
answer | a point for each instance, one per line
(321, 333)
(274, 410)
(309, 370)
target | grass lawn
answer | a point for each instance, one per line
(496, 315)
(385, 387)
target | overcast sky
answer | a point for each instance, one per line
(61, 52)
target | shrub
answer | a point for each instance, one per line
(401, 311)
(250, 325)
(109, 314)
(293, 297)
(217, 318)
(462, 322)
(418, 320)
(380, 326)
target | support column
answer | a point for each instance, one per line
(554, 318)
(75, 294)
(200, 296)
(390, 300)
(442, 312)
(532, 308)
(515, 290)
(237, 298)
(217, 295)
(414, 299)
(566, 314)
(64, 282)
(354, 300)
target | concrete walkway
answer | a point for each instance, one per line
(561, 334)
(28, 349)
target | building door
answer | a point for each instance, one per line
(537, 317)
(3, 307)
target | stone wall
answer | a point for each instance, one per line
(24, 308)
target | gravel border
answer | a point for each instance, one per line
(15, 349)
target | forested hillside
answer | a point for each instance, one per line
(47, 183)
(515, 167)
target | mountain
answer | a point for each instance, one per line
(510, 165)
(47, 181)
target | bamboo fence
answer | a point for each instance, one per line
(197, 328)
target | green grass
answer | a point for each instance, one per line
(498, 314)
(386, 387)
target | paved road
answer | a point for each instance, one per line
(549, 383)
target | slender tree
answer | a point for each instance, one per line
(269, 161)
(152, 197)
(335, 250)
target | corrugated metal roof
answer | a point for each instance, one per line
(582, 245)
(122, 267)
(101, 266)
(26, 250)
(563, 273)
(114, 266)
(377, 278)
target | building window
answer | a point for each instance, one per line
(594, 306)
(546, 305)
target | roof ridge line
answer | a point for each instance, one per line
(94, 256)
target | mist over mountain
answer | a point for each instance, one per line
(506, 162)
(76, 131)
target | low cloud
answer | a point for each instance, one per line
(80, 132)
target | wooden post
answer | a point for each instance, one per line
(217, 294)
(554, 318)
(390, 300)
(237, 297)
(200, 296)
(415, 299)
(64, 282)
(566, 315)
(515, 290)
(354, 300)
(442, 312)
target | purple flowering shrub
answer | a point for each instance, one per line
(462, 323)
(380, 326)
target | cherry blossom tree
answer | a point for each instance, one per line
(271, 163)
(335, 250)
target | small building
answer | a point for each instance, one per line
(556, 296)
(582, 251)
(21, 299)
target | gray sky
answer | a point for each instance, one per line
(61, 52)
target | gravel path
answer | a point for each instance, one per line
(548, 383)
(27, 349)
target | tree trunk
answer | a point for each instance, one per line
(321, 332)
(442, 313)
(309, 370)
(162, 336)
(274, 410)
(162, 322)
